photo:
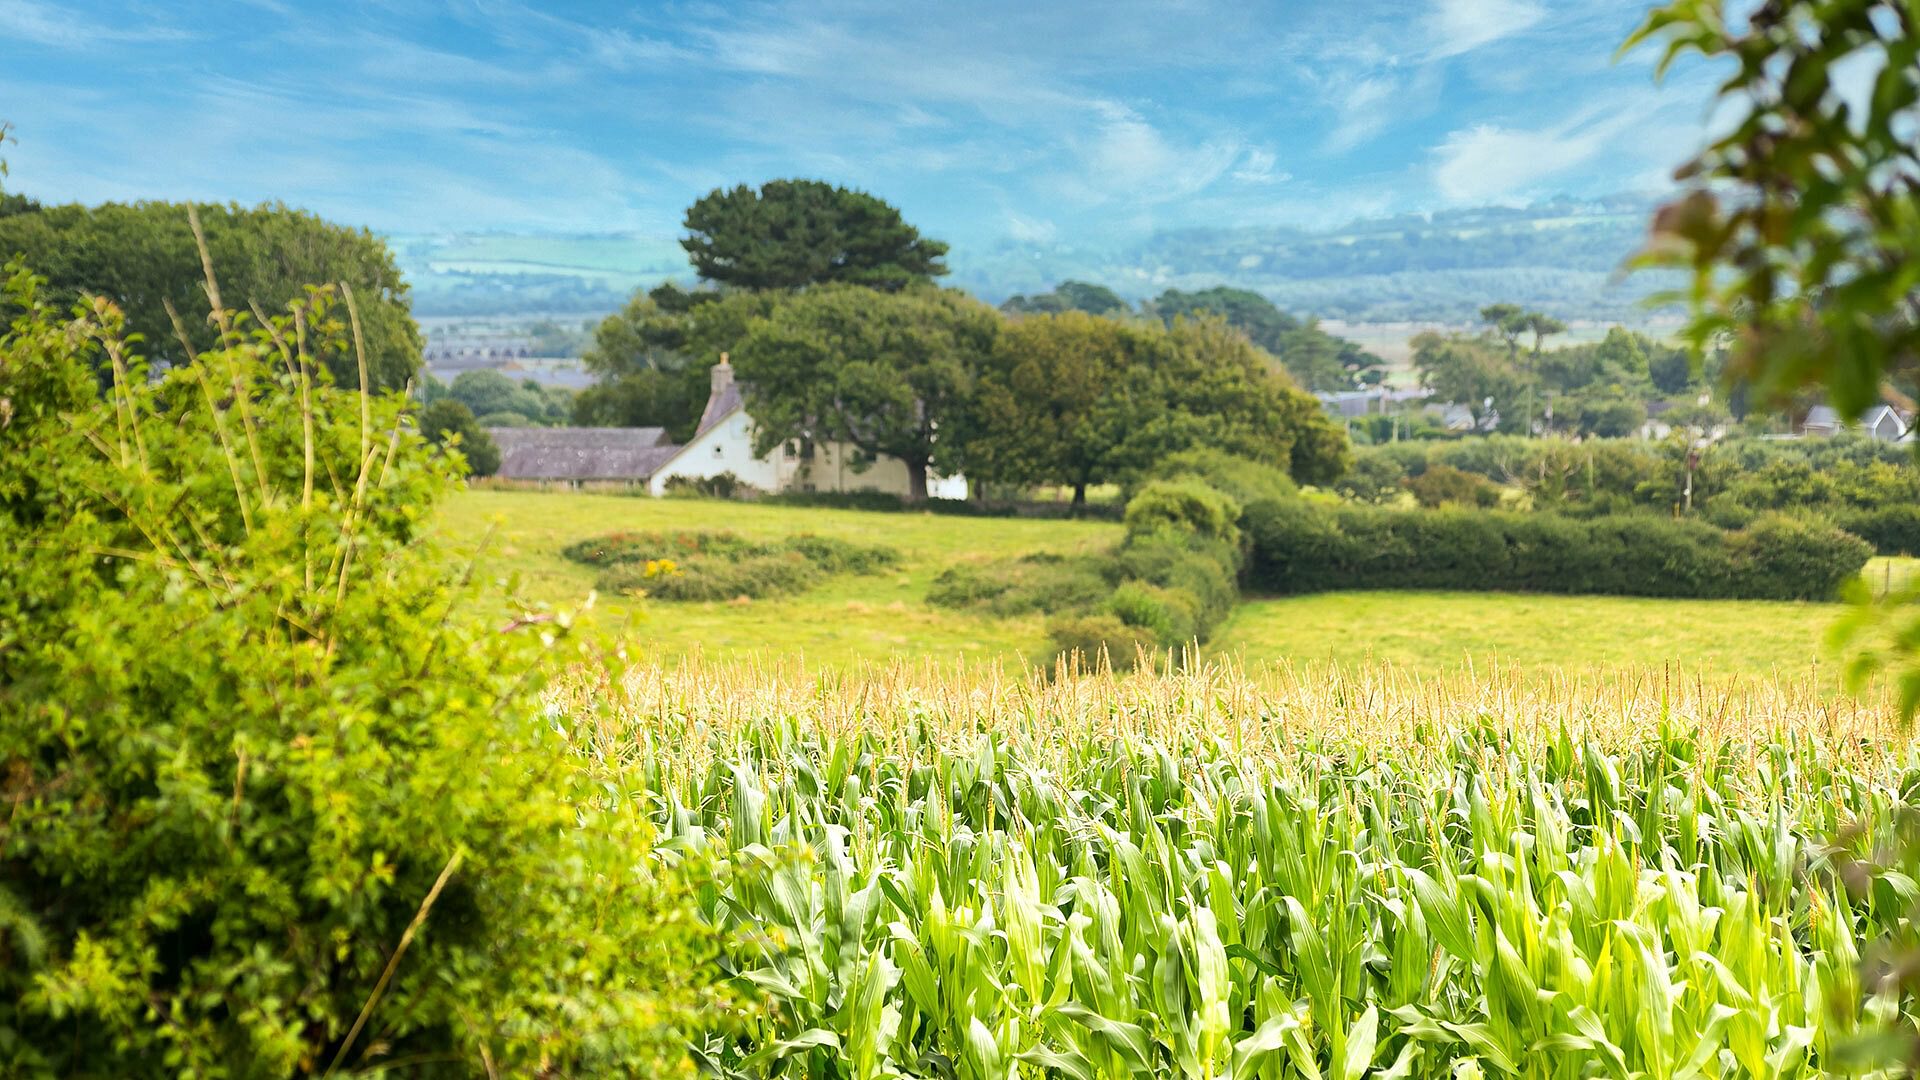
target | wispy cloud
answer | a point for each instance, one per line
(1461, 26)
(1049, 123)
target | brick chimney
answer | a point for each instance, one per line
(722, 377)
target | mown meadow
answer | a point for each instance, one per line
(1328, 872)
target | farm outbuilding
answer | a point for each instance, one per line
(582, 455)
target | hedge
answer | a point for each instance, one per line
(1300, 547)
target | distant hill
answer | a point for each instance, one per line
(1562, 257)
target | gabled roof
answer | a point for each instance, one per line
(720, 405)
(581, 453)
(1872, 417)
(1821, 416)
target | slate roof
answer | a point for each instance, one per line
(720, 404)
(574, 453)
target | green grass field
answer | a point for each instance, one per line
(853, 619)
(886, 617)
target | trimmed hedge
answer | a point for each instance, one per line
(1892, 530)
(1300, 547)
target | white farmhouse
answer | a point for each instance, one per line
(723, 443)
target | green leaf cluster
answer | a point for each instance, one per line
(144, 257)
(278, 802)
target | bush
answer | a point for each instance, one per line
(1183, 506)
(1441, 485)
(1892, 530)
(1205, 571)
(1038, 582)
(1301, 547)
(1168, 615)
(722, 565)
(722, 486)
(450, 425)
(266, 774)
(1088, 641)
(1240, 479)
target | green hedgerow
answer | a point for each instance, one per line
(277, 804)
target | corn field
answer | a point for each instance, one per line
(1312, 874)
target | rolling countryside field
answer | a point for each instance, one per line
(856, 619)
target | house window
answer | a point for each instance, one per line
(717, 450)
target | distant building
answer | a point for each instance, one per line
(1881, 423)
(721, 444)
(581, 455)
(1372, 401)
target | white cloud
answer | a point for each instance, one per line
(1486, 164)
(62, 28)
(1257, 166)
(1461, 26)
(1030, 230)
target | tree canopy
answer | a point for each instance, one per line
(142, 256)
(650, 360)
(1077, 400)
(1069, 296)
(789, 234)
(1316, 359)
(1044, 408)
(885, 373)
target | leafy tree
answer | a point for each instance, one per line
(1069, 296)
(1507, 320)
(651, 360)
(794, 233)
(144, 258)
(1670, 369)
(1800, 227)
(283, 797)
(1470, 371)
(1213, 388)
(1543, 327)
(1623, 357)
(488, 392)
(1043, 408)
(1316, 360)
(1609, 415)
(885, 373)
(451, 426)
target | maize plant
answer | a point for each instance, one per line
(1335, 876)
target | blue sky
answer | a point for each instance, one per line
(1036, 121)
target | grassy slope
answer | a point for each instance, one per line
(850, 618)
(879, 618)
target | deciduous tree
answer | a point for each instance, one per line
(142, 256)
(1044, 408)
(650, 360)
(884, 372)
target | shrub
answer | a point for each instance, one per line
(1205, 571)
(1168, 615)
(1301, 547)
(722, 565)
(1184, 506)
(722, 486)
(1441, 485)
(1892, 530)
(1240, 479)
(1039, 582)
(1088, 641)
(450, 425)
(267, 778)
